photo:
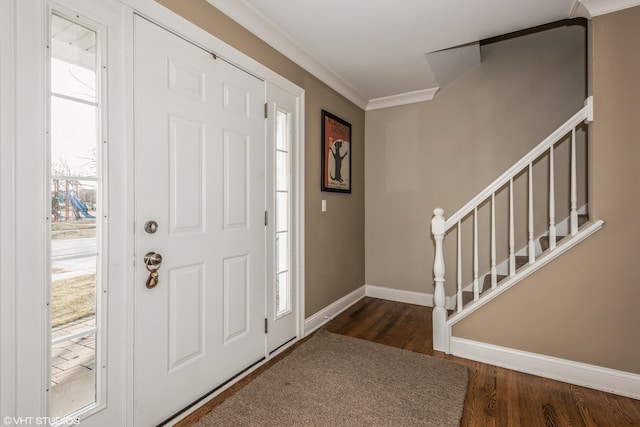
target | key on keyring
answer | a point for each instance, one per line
(152, 281)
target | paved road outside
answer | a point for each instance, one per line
(69, 268)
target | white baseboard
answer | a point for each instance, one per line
(323, 316)
(408, 297)
(399, 295)
(582, 374)
(319, 319)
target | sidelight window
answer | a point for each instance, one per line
(75, 195)
(283, 213)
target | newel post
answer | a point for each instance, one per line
(439, 311)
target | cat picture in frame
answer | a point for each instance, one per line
(336, 154)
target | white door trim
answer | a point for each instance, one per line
(29, 207)
(7, 213)
(177, 24)
(299, 214)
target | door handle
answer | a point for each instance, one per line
(152, 261)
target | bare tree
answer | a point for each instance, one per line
(60, 168)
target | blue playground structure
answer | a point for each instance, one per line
(78, 205)
(65, 203)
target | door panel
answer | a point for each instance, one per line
(235, 180)
(186, 314)
(200, 174)
(236, 297)
(187, 177)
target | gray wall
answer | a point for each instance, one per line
(442, 153)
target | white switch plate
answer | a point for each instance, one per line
(324, 206)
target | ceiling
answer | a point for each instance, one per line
(380, 52)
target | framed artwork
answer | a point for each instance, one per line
(336, 154)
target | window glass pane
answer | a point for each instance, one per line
(282, 251)
(282, 141)
(282, 171)
(283, 187)
(282, 211)
(73, 380)
(283, 293)
(74, 137)
(72, 80)
(73, 59)
(73, 292)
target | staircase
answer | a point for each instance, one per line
(534, 253)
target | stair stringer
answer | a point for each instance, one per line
(488, 295)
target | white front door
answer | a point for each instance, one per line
(200, 176)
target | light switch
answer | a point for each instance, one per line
(324, 206)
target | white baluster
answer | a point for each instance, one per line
(439, 313)
(494, 271)
(459, 294)
(476, 287)
(574, 195)
(532, 245)
(552, 203)
(512, 238)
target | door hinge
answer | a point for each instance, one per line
(266, 111)
(266, 218)
(266, 326)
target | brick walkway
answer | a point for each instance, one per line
(74, 358)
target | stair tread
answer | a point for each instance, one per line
(486, 284)
(544, 240)
(582, 219)
(467, 296)
(521, 260)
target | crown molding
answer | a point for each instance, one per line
(602, 7)
(402, 99)
(256, 23)
(578, 10)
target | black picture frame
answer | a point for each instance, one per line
(336, 154)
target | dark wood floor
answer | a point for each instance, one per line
(495, 396)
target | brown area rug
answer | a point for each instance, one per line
(334, 380)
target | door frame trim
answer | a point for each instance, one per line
(7, 212)
(173, 22)
(27, 216)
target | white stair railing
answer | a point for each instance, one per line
(440, 226)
